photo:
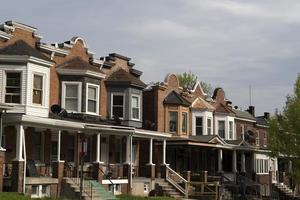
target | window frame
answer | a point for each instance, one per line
(209, 127)
(224, 121)
(97, 87)
(186, 122)
(5, 85)
(230, 130)
(174, 111)
(112, 101)
(139, 107)
(202, 125)
(79, 94)
(43, 88)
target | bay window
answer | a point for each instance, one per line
(135, 107)
(71, 96)
(13, 87)
(37, 95)
(173, 121)
(117, 107)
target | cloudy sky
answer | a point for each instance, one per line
(232, 44)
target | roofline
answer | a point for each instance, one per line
(4, 36)
(53, 49)
(80, 72)
(21, 26)
(244, 119)
(24, 59)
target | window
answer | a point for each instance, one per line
(173, 118)
(135, 107)
(13, 87)
(265, 139)
(71, 96)
(242, 131)
(230, 130)
(199, 126)
(221, 129)
(184, 122)
(257, 139)
(117, 105)
(209, 132)
(92, 98)
(37, 96)
(262, 166)
(37, 145)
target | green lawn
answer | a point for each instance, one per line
(16, 196)
(127, 197)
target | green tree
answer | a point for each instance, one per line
(188, 80)
(284, 131)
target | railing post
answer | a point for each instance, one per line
(186, 189)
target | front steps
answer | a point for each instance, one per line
(169, 190)
(92, 190)
(286, 191)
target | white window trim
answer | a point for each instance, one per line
(211, 127)
(21, 87)
(63, 102)
(139, 107)
(97, 98)
(43, 88)
(263, 167)
(111, 103)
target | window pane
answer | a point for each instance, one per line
(135, 113)
(173, 121)
(118, 111)
(135, 102)
(71, 90)
(71, 104)
(37, 97)
(92, 93)
(118, 100)
(199, 126)
(209, 126)
(37, 82)
(221, 131)
(184, 122)
(13, 88)
(92, 106)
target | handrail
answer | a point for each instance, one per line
(113, 188)
(183, 190)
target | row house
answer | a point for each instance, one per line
(208, 134)
(71, 109)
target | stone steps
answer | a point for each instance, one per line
(169, 190)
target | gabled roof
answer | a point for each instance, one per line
(78, 63)
(244, 114)
(211, 139)
(122, 77)
(220, 108)
(201, 104)
(21, 48)
(176, 99)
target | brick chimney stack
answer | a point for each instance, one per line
(251, 110)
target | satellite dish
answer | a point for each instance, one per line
(56, 109)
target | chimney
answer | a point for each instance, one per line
(251, 110)
(266, 115)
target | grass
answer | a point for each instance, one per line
(128, 197)
(17, 196)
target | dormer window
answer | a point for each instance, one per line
(209, 125)
(13, 87)
(71, 96)
(92, 98)
(117, 107)
(135, 107)
(173, 120)
(37, 96)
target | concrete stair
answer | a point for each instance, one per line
(226, 194)
(286, 191)
(92, 190)
(169, 190)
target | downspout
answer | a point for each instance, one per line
(131, 161)
(24, 151)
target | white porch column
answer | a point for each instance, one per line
(128, 149)
(19, 143)
(58, 145)
(98, 147)
(164, 152)
(243, 162)
(234, 170)
(220, 159)
(150, 150)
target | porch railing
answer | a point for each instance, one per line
(177, 181)
(204, 189)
